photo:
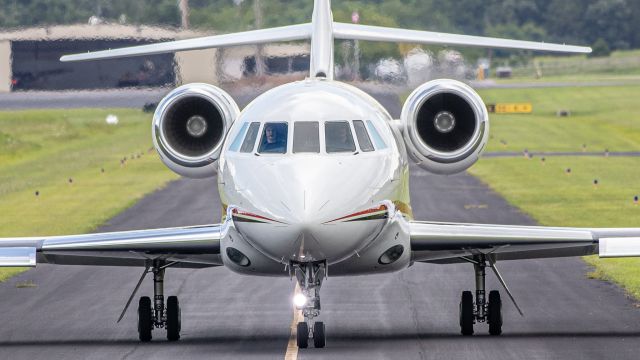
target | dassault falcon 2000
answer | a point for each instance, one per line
(313, 178)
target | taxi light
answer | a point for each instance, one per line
(299, 300)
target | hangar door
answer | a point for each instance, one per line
(36, 66)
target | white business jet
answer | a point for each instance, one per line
(313, 177)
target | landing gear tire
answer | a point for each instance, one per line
(466, 313)
(173, 319)
(319, 339)
(145, 319)
(302, 335)
(495, 313)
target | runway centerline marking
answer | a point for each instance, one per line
(292, 346)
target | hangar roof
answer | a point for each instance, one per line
(95, 32)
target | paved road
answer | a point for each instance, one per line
(137, 98)
(562, 153)
(71, 311)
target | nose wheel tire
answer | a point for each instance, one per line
(319, 340)
(145, 319)
(495, 313)
(173, 319)
(302, 335)
(466, 313)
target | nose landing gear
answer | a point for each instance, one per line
(310, 276)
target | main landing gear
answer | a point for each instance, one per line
(309, 276)
(156, 314)
(483, 309)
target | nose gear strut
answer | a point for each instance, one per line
(310, 276)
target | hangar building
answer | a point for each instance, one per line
(29, 59)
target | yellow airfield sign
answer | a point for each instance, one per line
(510, 108)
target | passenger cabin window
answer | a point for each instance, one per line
(250, 139)
(274, 138)
(363, 137)
(338, 137)
(377, 139)
(306, 137)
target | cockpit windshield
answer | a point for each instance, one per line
(306, 137)
(274, 138)
(338, 137)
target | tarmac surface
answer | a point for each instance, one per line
(70, 312)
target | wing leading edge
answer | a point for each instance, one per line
(453, 242)
(196, 246)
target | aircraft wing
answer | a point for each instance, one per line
(377, 33)
(192, 247)
(454, 242)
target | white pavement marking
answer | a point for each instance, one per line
(292, 347)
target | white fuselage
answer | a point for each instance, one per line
(301, 205)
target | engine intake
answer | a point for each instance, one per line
(189, 127)
(445, 126)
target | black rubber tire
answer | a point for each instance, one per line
(466, 313)
(319, 339)
(302, 335)
(174, 324)
(494, 316)
(145, 319)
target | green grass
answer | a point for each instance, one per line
(603, 117)
(41, 150)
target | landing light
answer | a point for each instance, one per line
(299, 300)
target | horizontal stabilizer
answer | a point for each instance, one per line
(284, 33)
(18, 256)
(377, 33)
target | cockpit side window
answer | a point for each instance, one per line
(274, 138)
(363, 137)
(338, 137)
(250, 139)
(306, 137)
(377, 139)
(235, 145)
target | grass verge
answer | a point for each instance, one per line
(74, 161)
(602, 117)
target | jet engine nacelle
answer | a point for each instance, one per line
(445, 126)
(189, 127)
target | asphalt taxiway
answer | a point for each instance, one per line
(70, 312)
